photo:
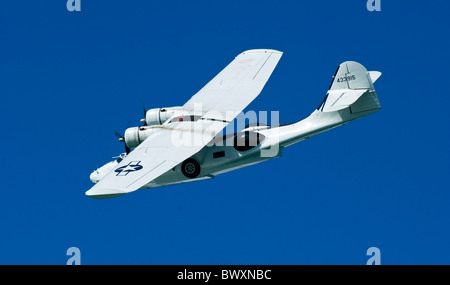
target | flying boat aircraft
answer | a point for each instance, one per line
(183, 144)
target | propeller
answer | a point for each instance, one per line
(122, 139)
(144, 121)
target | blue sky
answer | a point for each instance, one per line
(68, 80)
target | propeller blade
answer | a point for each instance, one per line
(118, 135)
(145, 115)
(122, 139)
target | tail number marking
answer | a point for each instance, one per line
(346, 78)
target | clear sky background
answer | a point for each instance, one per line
(68, 80)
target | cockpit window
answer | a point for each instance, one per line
(186, 118)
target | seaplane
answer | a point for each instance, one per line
(186, 143)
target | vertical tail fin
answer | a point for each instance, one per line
(351, 96)
(352, 87)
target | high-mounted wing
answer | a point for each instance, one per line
(159, 153)
(221, 100)
(237, 85)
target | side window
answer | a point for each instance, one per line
(247, 140)
(219, 154)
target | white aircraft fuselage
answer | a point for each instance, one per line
(220, 156)
(162, 156)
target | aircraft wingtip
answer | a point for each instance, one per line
(102, 193)
(261, 51)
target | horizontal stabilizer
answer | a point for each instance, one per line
(340, 99)
(374, 75)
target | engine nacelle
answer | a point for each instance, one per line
(158, 116)
(135, 136)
